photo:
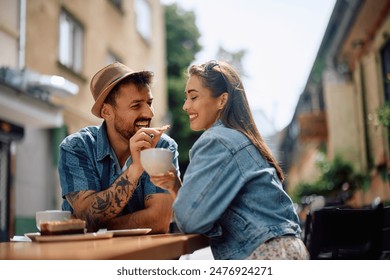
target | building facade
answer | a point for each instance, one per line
(338, 110)
(49, 52)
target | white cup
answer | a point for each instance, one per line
(156, 161)
(51, 215)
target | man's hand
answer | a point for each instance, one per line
(145, 138)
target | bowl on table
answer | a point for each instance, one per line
(51, 215)
(157, 161)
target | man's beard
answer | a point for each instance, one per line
(126, 130)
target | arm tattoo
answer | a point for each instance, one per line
(110, 203)
(105, 204)
(102, 203)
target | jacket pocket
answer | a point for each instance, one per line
(236, 225)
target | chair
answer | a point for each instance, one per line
(345, 233)
(386, 234)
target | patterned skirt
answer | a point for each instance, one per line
(281, 248)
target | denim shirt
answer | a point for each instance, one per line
(88, 162)
(233, 195)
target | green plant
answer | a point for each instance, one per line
(384, 114)
(337, 179)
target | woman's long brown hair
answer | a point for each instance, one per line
(220, 77)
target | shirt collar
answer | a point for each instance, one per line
(103, 145)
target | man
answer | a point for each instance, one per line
(102, 179)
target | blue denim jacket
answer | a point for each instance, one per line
(88, 162)
(233, 195)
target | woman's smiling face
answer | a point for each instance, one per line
(202, 109)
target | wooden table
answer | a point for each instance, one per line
(144, 247)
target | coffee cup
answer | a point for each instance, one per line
(157, 161)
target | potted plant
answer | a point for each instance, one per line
(384, 114)
(337, 182)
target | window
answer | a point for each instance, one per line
(117, 3)
(386, 69)
(385, 54)
(71, 43)
(143, 19)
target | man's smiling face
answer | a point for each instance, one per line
(133, 109)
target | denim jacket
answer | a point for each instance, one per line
(233, 195)
(88, 162)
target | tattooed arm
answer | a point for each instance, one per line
(101, 208)
(96, 208)
(157, 215)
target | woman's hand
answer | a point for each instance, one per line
(168, 181)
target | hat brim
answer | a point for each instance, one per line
(96, 108)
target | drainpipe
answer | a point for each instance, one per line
(22, 35)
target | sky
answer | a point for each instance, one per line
(281, 39)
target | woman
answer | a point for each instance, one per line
(232, 189)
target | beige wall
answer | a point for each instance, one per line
(343, 133)
(375, 96)
(353, 126)
(105, 29)
(9, 33)
(360, 115)
(305, 167)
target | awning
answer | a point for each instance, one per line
(20, 108)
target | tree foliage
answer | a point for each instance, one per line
(233, 58)
(384, 114)
(182, 36)
(182, 45)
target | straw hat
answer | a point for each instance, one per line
(105, 80)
